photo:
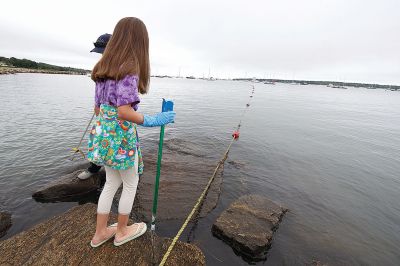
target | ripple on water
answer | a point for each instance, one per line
(331, 156)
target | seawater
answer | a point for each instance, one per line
(331, 156)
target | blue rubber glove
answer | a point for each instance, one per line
(158, 119)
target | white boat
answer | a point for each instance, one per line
(269, 82)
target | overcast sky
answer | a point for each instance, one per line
(344, 40)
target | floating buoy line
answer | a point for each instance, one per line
(200, 200)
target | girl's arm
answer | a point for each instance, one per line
(96, 110)
(126, 112)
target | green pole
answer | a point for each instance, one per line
(166, 106)
(155, 195)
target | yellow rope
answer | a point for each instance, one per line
(199, 200)
(77, 148)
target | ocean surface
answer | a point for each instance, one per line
(332, 156)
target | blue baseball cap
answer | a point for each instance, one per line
(101, 43)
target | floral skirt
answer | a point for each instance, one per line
(114, 142)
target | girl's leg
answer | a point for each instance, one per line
(113, 181)
(130, 179)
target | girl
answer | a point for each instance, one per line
(121, 74)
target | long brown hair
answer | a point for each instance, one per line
(127, 52)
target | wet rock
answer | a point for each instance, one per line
(183, 178)
(5, 222)
(317, 263)
(248, 225)
(64, 240)
(183, 147)
(236, 164)
(184, 174)
(70, 187)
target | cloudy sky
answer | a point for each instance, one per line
(345, 40)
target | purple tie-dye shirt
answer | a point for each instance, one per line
(118, 92)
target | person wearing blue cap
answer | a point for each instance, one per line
(99, 47)
(101, 43)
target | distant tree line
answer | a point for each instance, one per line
(26, 63)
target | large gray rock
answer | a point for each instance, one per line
(248, 225)
(5, 222)
(64, 240)
(184, 174)
(70, 187)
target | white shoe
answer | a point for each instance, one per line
(140, 230)
(84, 175)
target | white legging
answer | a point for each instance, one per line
(114, 178)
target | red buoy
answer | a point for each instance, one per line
(235, 134)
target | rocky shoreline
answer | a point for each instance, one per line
(247, 225)
(16, 70)
(64, 240)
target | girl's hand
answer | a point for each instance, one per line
(159, 119)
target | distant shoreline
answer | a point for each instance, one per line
(333, 84)
(6, 70)
(14, 65)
